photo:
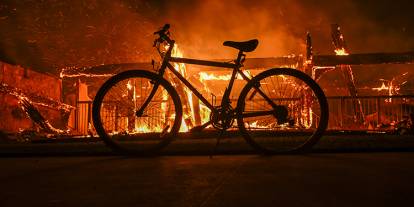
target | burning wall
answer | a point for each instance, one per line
(42, 90)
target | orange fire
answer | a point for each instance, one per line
(392, 88)
(188, 101)
(341, 52)
(382, 88)
(188, 111)
(66, 73)
(210, 76)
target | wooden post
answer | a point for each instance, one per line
(196, 110)
(339, 44)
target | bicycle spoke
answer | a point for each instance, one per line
(259, 120)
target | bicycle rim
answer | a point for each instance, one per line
(298, 121)
(115, 110)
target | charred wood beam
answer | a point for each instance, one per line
(35, 98)
(102, 70)
(289, 61)
(112, 69)
(337, 38)
(260, 63)
(339, 43)
(37, 118)
(309, 48)
(364, 59)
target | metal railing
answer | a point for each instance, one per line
(380, 113)
(83, 117)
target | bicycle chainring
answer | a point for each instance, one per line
(222, 118)
(281, 114)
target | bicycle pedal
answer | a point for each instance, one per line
(196, 129)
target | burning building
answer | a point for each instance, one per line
(114, 32)
(20, 90)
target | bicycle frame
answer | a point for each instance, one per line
(160, 125)
(235, 66)
(226, 96)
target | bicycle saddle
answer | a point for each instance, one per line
(247, 46)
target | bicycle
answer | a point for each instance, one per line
(280, 110)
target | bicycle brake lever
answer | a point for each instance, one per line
(164, 29)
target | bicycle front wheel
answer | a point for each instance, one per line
(136, 112)
(282, 111)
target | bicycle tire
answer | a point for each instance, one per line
(311, 138)
(109, 139)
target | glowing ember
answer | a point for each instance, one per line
(255, 125)
(341, 52)
(392, 87)
(34, 99)
(129, 86)
(382, 88)
(68, 72)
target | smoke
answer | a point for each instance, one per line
(201, 27)
(369, 26)
(50, 34)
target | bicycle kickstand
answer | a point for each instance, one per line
(213, 152)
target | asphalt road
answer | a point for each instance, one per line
(324, 179)
(205, 146)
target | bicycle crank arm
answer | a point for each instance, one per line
(200, 128)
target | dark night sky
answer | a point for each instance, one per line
(51, 34)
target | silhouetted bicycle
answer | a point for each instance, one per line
(280, 110)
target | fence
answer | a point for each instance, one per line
(380, 113)
(83, 117)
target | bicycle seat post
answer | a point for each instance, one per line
(240, 58)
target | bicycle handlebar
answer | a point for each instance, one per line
(164, 30)
(164, 35)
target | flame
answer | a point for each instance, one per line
(87, 75)
(255, 125)
(209, 76)
(188, 108)
(307, 117)
(68, 72)
(382, 88)
(129, 86)
(391, 89)
(186, 97)
(34, 99)
(203, 77)
(206, 76)
(341, 52)
(145, 129)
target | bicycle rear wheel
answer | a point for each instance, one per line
(123, 121)
(282, 111)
